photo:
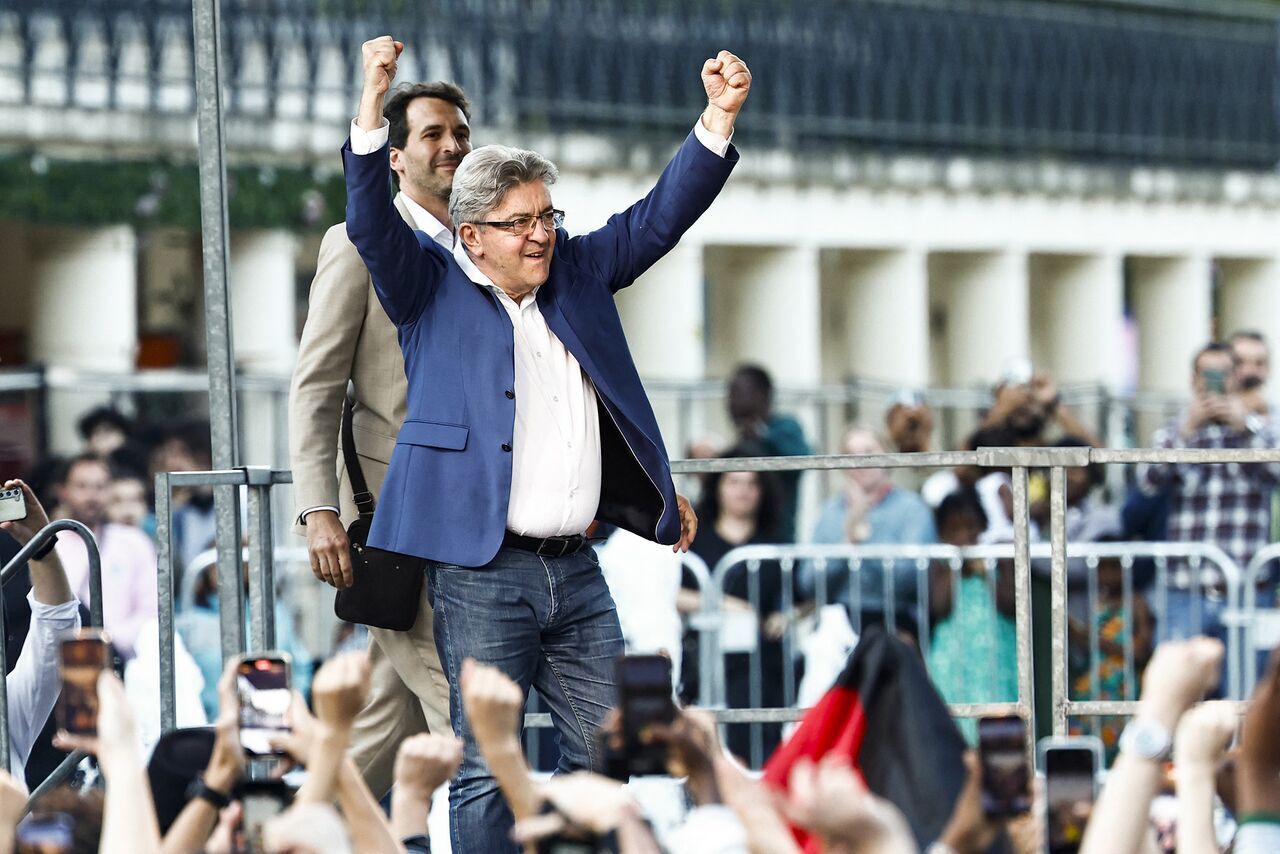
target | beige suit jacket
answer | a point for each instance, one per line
(347, 335)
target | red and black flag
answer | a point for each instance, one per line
(884, 714)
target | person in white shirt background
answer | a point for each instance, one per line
(33, 685)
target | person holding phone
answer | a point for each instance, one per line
(1226, 505)
(33, 684)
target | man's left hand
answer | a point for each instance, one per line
(688, 525)
(727, 81)
(26, 528)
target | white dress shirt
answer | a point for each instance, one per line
(34, 684)
(555, 466)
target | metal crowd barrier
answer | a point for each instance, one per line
(797, 564)
(1019, 461)
(10, 570)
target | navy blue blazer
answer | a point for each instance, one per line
(447, 488)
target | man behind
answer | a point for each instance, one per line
(348, 336)
(128, 555)
(526, 417)
(1225, 505)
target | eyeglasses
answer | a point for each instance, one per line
(550, 220)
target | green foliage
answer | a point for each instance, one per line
(37, 189)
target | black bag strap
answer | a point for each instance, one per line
(363, 497)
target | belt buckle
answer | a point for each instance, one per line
(548, 553)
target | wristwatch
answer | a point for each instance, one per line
(1147, 739)
(200, 789)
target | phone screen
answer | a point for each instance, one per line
(82, 657)
(262, 685)
(1215, 382)
(261, 802)
(1006, 779)
(644, 689)
(1069, 791)
(45, 833)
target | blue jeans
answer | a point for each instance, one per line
(549, 623)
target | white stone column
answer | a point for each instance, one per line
(1077, 311)
(662, 314)
(1249, 298)
(876, 315)
(264, 307)
(84, 298)
(1173, 310)
(764, 307)
(984, 298)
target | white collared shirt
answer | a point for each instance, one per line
(555, 466)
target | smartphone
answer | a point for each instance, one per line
(260, 801)
(1006, 779)
(13, 505)
(263, 686)
(45, 833)
(1070, 773)
(83, 655)
(644, 698)
(1215, 381)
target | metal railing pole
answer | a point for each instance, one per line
(262, 605)
(1022, 598)
(1058, 585)
(165, 606)
(217, 305)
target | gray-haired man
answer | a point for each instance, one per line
(527, 418)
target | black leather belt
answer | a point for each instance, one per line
(545, 546)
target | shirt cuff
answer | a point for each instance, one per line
(302, 517)
(61, 611)
(714, 142)
(368, 141)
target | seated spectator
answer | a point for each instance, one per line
(1118, 629)
(750, 401)
(34, 683)
(872, 511)
(128, 555)
(738, 509)
(973, 647)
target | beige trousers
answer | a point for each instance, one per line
(408, 694)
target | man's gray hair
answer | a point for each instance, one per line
(486, 175)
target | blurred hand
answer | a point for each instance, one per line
(1203, 735)
(299, 741)
(226, 763)
(1180, 673)
(756, 807)
(858, 500)
(583, 801)
(222, 840)
(969, 829)
(688, 524)
(339, 689)
(13, 802)
(329, 549)
(492, 703)
(691, 753)
(830, 800)
(380, 57)
(425, 762)
(23, 530)
(1258, 764)
(1044, 391)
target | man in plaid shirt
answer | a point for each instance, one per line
(1225, 505)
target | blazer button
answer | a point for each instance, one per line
(511, 395)
(506, 446)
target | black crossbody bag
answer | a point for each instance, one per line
(387, 586)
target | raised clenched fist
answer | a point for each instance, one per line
(727, 81)
(380, 57)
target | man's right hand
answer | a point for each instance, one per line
(329, 548)
(380, 57)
